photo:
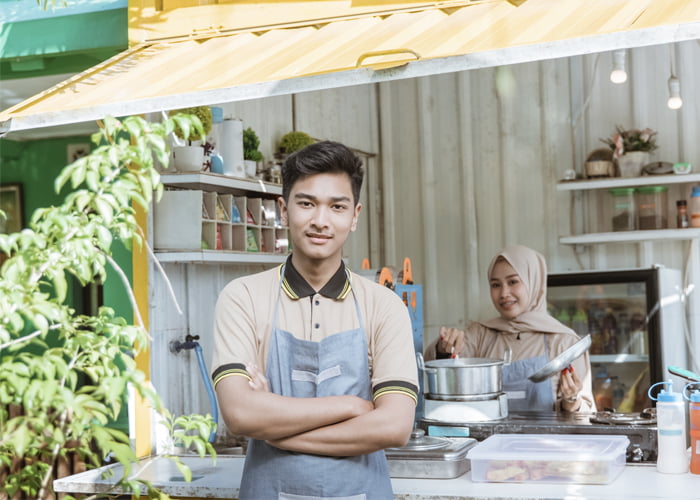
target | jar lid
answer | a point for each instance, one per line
(652, 189)
(696, 191)
(623, 191)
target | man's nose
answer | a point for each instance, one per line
(320, 217)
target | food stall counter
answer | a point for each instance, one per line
(221, 480)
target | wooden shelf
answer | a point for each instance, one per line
(220, 183)
(618, 182)
(219, 257)
(631, 236)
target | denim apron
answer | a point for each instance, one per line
(524, 395)
(337, 365)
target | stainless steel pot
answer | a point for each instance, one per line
(463, 376)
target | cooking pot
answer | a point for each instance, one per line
(460, 377)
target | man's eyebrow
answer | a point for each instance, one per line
(332, 199)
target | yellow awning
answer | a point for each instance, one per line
(362, 45)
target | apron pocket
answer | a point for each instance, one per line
(306, 376)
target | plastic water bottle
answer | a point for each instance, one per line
(694, 417)
(670, 418)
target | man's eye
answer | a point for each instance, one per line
(339, 207)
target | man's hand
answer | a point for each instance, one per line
(259, 381)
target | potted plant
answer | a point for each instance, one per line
(631, 149)
(293, 141)
(251, 154)
(190, 158)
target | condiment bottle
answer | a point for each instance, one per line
(682, 219)
(670, 423)
(694, 207)
(694, 417)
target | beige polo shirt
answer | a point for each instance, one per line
(244, 319)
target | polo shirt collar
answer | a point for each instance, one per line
(296, 287)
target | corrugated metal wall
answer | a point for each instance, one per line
(466, 163)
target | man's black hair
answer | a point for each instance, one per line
(322, 158)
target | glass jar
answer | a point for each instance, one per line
(623, 209)
(652, 207)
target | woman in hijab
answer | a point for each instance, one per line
(518, 283)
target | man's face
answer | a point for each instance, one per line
(320, 214)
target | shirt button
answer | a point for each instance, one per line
(318, 302)
(317, 325)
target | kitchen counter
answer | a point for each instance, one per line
(222, 480)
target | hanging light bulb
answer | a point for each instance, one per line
(618, 74)
(674, 93)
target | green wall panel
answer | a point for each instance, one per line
(35, 165)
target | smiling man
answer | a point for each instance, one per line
(312, 362)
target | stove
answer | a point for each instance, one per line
(640, 428)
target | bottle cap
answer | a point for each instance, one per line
(696, 191)
(695, 395)
(665, 396)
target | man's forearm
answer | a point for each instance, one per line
(268, 416)
(389, 425)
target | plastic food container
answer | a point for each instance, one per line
(652, 207)
(543, 458)
(623, 209)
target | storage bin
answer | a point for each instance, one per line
(652, 207)
(558, 458)
(623, 209)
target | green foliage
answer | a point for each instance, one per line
(69, 393)
(200, 117)
(294, 141)
(251, 143)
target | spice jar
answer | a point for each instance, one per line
(694, 207)
(652, 207)
(682, 219)
(623, 210)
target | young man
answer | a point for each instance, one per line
(312, 362)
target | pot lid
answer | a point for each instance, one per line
(419, 441)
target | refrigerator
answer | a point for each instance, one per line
(636, 320)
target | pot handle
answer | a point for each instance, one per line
(421, 364)
(507, 356)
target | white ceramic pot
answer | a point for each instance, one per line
(251, 168)
(188, 158)
(631, 163)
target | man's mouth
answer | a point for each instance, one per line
(318, 237)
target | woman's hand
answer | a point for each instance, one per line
(451, 340)
(569, 387)
(258, 382)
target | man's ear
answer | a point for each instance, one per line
(283, 211)
(358, 209)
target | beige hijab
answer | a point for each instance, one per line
(532, 269)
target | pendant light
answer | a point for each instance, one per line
(674, 88)
(618, 73)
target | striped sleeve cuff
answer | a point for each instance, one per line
(233, 369)
(395, 387)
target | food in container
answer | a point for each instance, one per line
(623, 209)
(562, 458)
(652, 207)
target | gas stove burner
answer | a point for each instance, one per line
(645, 417)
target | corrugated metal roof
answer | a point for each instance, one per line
(241, 64)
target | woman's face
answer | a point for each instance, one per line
(508, 293)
